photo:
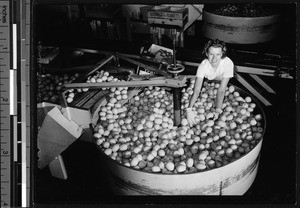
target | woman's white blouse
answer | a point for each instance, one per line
(224, 70)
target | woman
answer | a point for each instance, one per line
(217, 66)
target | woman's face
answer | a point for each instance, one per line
(214, 55)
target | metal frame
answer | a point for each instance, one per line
(134, 80)
(164, 78)
(255, 70)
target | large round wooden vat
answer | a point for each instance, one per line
(234, 178)
(241, 30)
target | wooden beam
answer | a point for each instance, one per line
(259, 71)
(158, 81)
(262, 83)
(252, 90)
(58, 169)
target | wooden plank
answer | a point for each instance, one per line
(96, 67)
(81, 117)
(58, 169)
(159, 81)
(259, 71)
(83, 97)
(98, 96)
(52, 143)
(262, 83)
(252, 90)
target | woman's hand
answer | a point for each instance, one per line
(217, 113)
(190, 116)
(189, 112)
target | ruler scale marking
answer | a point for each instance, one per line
(5, 96)
(15, 112)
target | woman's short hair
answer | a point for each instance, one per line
(217, 44)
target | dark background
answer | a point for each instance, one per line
(275, 183)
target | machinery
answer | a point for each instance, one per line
(167, 17)
(162, 73)
(80, 111)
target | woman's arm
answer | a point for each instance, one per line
(197, 89)
(190, 114)
(221, 92)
